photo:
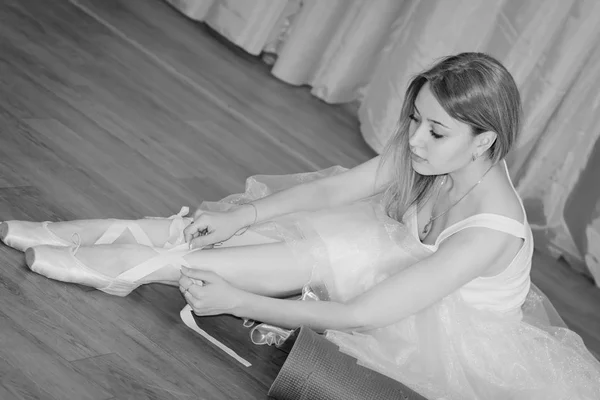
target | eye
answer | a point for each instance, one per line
(417, 120)
(435, 135)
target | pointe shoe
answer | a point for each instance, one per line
(59, 263)
(22, 235)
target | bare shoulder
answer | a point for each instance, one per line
(500, 198)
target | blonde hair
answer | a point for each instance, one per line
(473, 88)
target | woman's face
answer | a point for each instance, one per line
(439, 144)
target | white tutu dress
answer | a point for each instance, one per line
(494, 338)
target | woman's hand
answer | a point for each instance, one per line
(207, 293)
(209, 228)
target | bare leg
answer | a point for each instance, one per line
(254, 263)
(250, 262)
(268, 269)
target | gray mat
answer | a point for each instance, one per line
(316, 369)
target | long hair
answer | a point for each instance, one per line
(473, 88)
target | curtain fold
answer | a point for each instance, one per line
(366, 51)
(423, 32)
(248, 23)
(338, 68)
(560, 170)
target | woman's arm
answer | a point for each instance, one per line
(461, 258)
(357, 183)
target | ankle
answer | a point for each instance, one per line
(88, 231)
(168, 275)
(113, 260)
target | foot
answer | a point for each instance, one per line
(114, 269)
(114, 260)
(90, 230)
(152, 232)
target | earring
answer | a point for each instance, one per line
(474, 157)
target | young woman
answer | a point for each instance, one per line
(423, 254)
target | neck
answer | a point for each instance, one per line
(463, 180)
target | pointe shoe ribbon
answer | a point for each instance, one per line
(22, 235)
(118, 227)
(60, 263)
(180, 221)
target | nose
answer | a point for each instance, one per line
(417, 138)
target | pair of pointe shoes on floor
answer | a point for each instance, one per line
(54, 257)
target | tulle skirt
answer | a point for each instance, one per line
(451, 350)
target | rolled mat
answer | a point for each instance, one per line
(316, 369)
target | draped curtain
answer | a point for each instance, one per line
(365, 51)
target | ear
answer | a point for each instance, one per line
(484, 141)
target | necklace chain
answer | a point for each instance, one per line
(432, 218)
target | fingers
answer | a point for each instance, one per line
(192, 301)
(197, 229)
(191, 230)
(185, 283)
(191, 287)
(198, 233)
(204, 242)
(193, 293)
(198, 307)
(200, 241)
(201, 293)
(194, 230)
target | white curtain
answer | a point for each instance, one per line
(367, 50)
(247, 23)
(341, 67)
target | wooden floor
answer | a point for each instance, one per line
(123, 108)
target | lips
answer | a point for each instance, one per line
(416, 157)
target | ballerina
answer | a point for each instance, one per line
(420, 257)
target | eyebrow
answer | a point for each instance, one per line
(431, 120)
